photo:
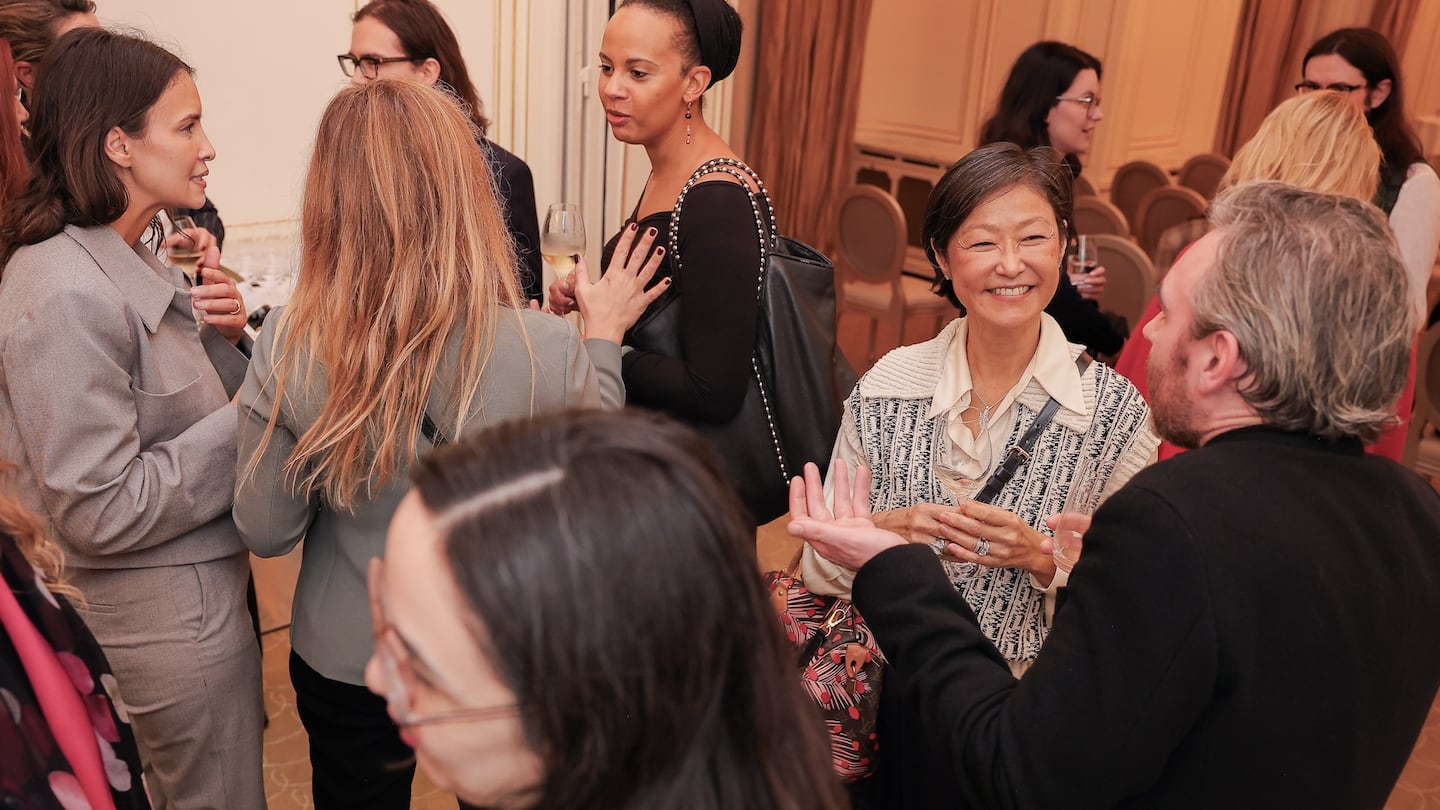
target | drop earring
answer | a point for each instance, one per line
(688, 116)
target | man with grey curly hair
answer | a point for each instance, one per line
(1252, 623)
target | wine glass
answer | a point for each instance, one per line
(1086, 487)
(962, 489)
(562, 237)
(183, 252)
(1084, 259)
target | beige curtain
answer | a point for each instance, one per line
(1268, 42)
(1394, 18)
(807, 87)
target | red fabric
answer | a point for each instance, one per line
(1136, 354)
(60, 702)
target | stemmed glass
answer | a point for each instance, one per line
(562, 237)
(183, 253)
(962, 489)
(1081, 501)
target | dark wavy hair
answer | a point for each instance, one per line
(1371, 54)
(979, 176)
(715, 20)
(424, 34)
(1042, 72)
(92, 81)
(613, 577)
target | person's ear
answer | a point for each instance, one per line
(25, 74)
(430, 71)
(696, 82)
(1378, 94)
(117, 148)
(1222, 365)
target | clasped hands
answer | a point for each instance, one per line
(851, 536)
(614, 302)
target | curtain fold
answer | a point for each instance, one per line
(1393, 19)
(1269, 39)
(807, 90)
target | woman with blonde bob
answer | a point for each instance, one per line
(404, 332)
(1316, 141)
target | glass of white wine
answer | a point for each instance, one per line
(183, 252)
(562, 237)
(1083, 498)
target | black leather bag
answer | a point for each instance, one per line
(799, 378)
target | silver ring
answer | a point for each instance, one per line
(938, 545)
(982, 548)
(236, 310)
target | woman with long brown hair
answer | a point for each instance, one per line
(409, 39)
(404, 332)
(121, 407)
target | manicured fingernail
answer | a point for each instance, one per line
(659, 251)
(650, 232)
(634, 225)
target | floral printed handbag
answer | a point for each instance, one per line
(840, 667)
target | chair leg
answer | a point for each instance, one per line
(870, 350)
(899, 330)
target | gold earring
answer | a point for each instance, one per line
(688, 106)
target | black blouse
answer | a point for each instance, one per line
(516, 188)
(719, 250)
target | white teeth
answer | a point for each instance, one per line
(1010, 291)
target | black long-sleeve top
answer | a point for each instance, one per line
(516, 187)
(719, 250)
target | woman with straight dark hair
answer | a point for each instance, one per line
(122, 407)
(1360, 64)
(1052, 98)
(405, 250)
(409, 39)
(545, 643)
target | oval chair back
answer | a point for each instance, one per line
(1164, 208)
(1129, 277)
(1132, 182)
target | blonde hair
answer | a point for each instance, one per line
(403, 246)
(1317, 141)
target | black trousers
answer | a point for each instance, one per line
(356, 755)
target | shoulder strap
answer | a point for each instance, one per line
(1020, 451)
(432, 433)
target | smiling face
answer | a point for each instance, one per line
(1071, 124)
(436, 666)
(165, 166)
(643, 84)
(1004, 259)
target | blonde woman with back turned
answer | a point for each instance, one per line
(404, 332)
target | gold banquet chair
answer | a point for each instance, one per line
(872, 254)
(1129, 277)
(1422, 441)
(1096, 216)
(1162, 209)
(1131, 183)
(1203, 173)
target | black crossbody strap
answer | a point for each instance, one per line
(1020, 451)
(432, 433)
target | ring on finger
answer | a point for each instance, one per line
(938, 545)
(236, 310)
(982, 547)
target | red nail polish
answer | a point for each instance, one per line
(660, 251)
(634, 225)
(651, 232)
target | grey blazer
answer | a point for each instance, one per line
(330, 627)
(116, 409)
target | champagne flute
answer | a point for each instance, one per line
(1080, 502)
(562, 237)
(963, 489)
(184, 252)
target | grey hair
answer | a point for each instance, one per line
(1313, 288)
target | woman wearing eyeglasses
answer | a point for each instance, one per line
(404, 331)
(409, 39)
(545, 642)
(1360, 64)
(1052, 98)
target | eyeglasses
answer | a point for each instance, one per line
(369, 65)
(398, 676)
(1337, 87)
(1090, 100)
